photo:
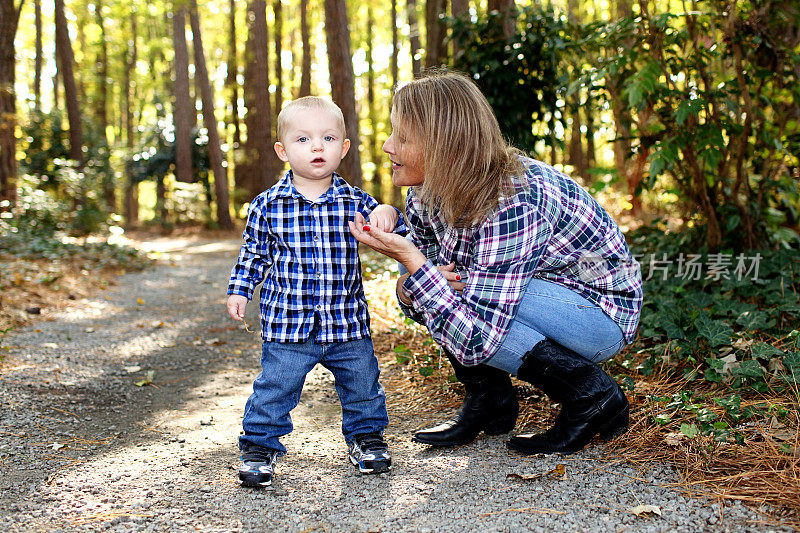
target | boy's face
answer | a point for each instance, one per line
(313, 144)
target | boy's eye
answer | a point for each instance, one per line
(330, 138)
(302, 139)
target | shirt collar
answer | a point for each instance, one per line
(285, 189)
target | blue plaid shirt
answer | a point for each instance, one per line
(308, 259)
(550, 228)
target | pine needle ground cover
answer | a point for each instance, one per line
(712, 379)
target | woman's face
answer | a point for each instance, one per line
(405, 153)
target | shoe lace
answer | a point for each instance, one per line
(261, 456)
(371, 442)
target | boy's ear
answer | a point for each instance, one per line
(345, 147)
(281, 151)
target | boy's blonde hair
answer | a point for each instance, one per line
(467, 160)
(308, 102)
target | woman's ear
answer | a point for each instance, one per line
(281, 151)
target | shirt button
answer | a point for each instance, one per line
(318, 307)
(316, 239)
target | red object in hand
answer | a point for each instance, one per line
(366, 228)
(458, 277)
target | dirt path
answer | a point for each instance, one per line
(122, 412)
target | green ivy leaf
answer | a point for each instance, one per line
(755, 320)
(690, 430)
(426, 371)
(749, 369)
(762, 350)
(716, 332)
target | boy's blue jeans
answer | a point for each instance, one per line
(549, 310)
(276, 390)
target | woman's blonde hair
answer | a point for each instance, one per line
(467, 160)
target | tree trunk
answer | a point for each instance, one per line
(340, 66)
(184, 109)
(260, 163)
(435, 52)
(277, 11)
(509, 11)
(66, 61)
(9, 20)
(109, 192)
(305, 73)
(458, 9)
(376, 178)
(209, 118)
(129, 95)
(39, 61)
(413, 37)
(231, 81)
(396, 193)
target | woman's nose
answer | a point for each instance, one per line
(388, 145)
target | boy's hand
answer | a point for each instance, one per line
(384, 217)
(236, 305)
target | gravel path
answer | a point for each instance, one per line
(83, 447)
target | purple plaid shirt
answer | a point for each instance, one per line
(548, 228)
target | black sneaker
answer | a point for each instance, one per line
(370, 453)
(258, 465)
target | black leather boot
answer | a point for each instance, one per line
(591, 401)
(490, 405)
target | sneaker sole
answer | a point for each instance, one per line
(254, 483)
(375, 470)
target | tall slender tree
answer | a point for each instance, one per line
(305, 71)
(183, 108)
(396, 192)
(66, 60)
(9, 20)
(39, 61)
(209, 118)
(340, 66)
(277, 13)
(458, 9)
(128, 96)
(101, 104)
(260, 163)
(435, 53)
(509, 11)
(233, 71)
(413, 37)
(372, 139)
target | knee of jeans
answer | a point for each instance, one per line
(608, 353)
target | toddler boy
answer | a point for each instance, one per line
(313, 308)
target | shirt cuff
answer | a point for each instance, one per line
(241, 290)
(400, 228)
(428, 289)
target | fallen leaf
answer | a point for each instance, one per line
(148, 379)
(639, 510)
(57, 446)
(132, 369)
(559, 471)
(139, 301)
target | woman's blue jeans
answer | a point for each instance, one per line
(551, 311)
(276, 390)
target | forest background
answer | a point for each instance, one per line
(680, 117)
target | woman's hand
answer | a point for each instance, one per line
(389, 244)
(447, 271)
